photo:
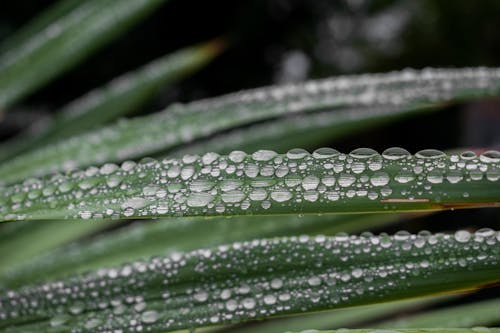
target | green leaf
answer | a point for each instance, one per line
(64, 43)
(147, 239)
(404, 91)
(256, 279)
(264, 183)
(304, 130)
(412, 330)
(120, 96)
(38, 23)
(349, 317)
(481, 313)
(26, 240)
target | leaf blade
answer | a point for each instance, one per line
(277, 276)
(52, 51)
(145, 136)
(263, 183)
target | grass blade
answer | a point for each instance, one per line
(31, 238)
(64, 43)
(304, 130)
(349, 317)
(144, 240)
(264, 183)
(120, 96)
(38, 23)
(413, 330)
(483, 313)
(257, 279)
(181, 124)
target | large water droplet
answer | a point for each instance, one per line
(297, 153)
(325, 152)
(395, 153)
(430, 154)
(363, 153)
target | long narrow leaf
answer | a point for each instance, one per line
(32, 238)
(144, 240)
(263, 183)
(257, 279)
(482, 313)
(304, 130)
(405, 91)
(38, 23)
(120, 96)
(350, 317)
(411, 330)
(64, 43)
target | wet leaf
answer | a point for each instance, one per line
(263, 183)
(256, 279)
(366, 96)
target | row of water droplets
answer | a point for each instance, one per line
(254, 279)
(183, 123)
(324, 181)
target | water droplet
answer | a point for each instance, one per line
(346, 180)
(430, 154)
(310, 182)
(491, 156)
(248, 303)
(264, 155)
(149, 317)
(379, 179)
(395, 153)
(281, 196)
(297, 153)
(59, 320)
(468, 155)
(462, 236)
(363, 153)
(325, 152)
(237, 156)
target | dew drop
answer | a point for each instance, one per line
(468, 155)
(462, 236)
(149, 317)
(379, 179)
(395, 153)
(491, 156)
(297, 153)
(325, 152)
(281, 196)
(430, 154)
(310, 183)
(363, 153)
(264, 155)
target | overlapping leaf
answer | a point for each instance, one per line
(256, 279)
(152, 238)
(120, 96)
(263, 183)
(64, 42)
(367, 96)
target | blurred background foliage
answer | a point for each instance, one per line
(291, 40)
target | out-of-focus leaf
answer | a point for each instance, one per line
(26, 240)
(120, 96)
(65, 42)
(367, 96)
(335, 318)
(483, 313)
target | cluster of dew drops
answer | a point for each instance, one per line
(249, 280)
(242, 183)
